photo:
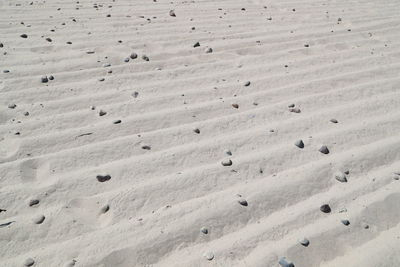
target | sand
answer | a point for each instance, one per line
(199, 133)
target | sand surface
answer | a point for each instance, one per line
(199, 133)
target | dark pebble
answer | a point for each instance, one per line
(325, 208)
(103, 178)
(324, 150)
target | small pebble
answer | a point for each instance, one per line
(105, 208)
(228, 152)
(243, 202)
(29, 262)
(102, 112)
(333, 120)
(196, 130)
(226, 162)
(103, 178)
(44, 79)
(172, 13)
(235, 105)
(209, 255)
(295, 110)
(106, 65)
(285, 262)
(24, 35)
(291, 106)
(117, 121)
(197, 44)
(364, 225)
(341, 177)
(204, 230)
(305, 242)
(39, 219)
(70, 263)
(12, 106)
(135, 94)
(6, 71)
(325, 208)
(26, 113)
(145, 58)
(208, 50)
(299, 143)
(345, 222)
(133, 55)
(51, 77)
(126, 59)
(49, 40)
(146, 147)
(33, 202)
(247, 83)
(324, 150)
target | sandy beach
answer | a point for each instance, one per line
(199, 133)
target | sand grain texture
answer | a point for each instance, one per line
(189, 133)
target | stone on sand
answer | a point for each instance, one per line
(325, 208)
(341, 177)
(209, 255)
(44, 79)
(243, 202)
(103, 178)
(38, 219)
(133, 55)
(196, 130)
(197, 44)
(29, 262)
(345, 222)
(208, 50)
(226, 162)
(12, 106)
(204, 230)
(304, 242)
(33, 202)
(324, 150)
(172, 13)
(102, 112)
(299, 143)
(247, 83)
(285, 262)
(295, 110)
(333, 120)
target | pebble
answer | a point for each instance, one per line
(24, 35)
(325, 208)
(228, 152)
(324, 150)
(146, 147)
(39, 219)
(133, 55)
(172, 13)
(145, 58)
(12, 106)
(26, 113)
(295, 110)
(101, 80)
(117, 121)
(6, 71)
(197, 44)
(196, 130)
(226, 162)
(334, 121)
(243, 202)
(105, 208)
(106, 65)
(235, 105)
(247, 83)
(285, 262)
(29, 262)
(44, 79)
(305, 242)
(209, 255)
(49, 40)
(208, 50)
(291, 106)
(102, 112)
(204, 230)
(103, 178)
(299, 143)
(341, 177)
(126, 59)
(1, 45)
(364, 225)
(51, 77)
(70, 263)
(135, 94)
(33, 202)
(345, 222)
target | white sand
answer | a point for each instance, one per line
(168, 200)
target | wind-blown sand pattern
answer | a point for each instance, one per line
(199, 133)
